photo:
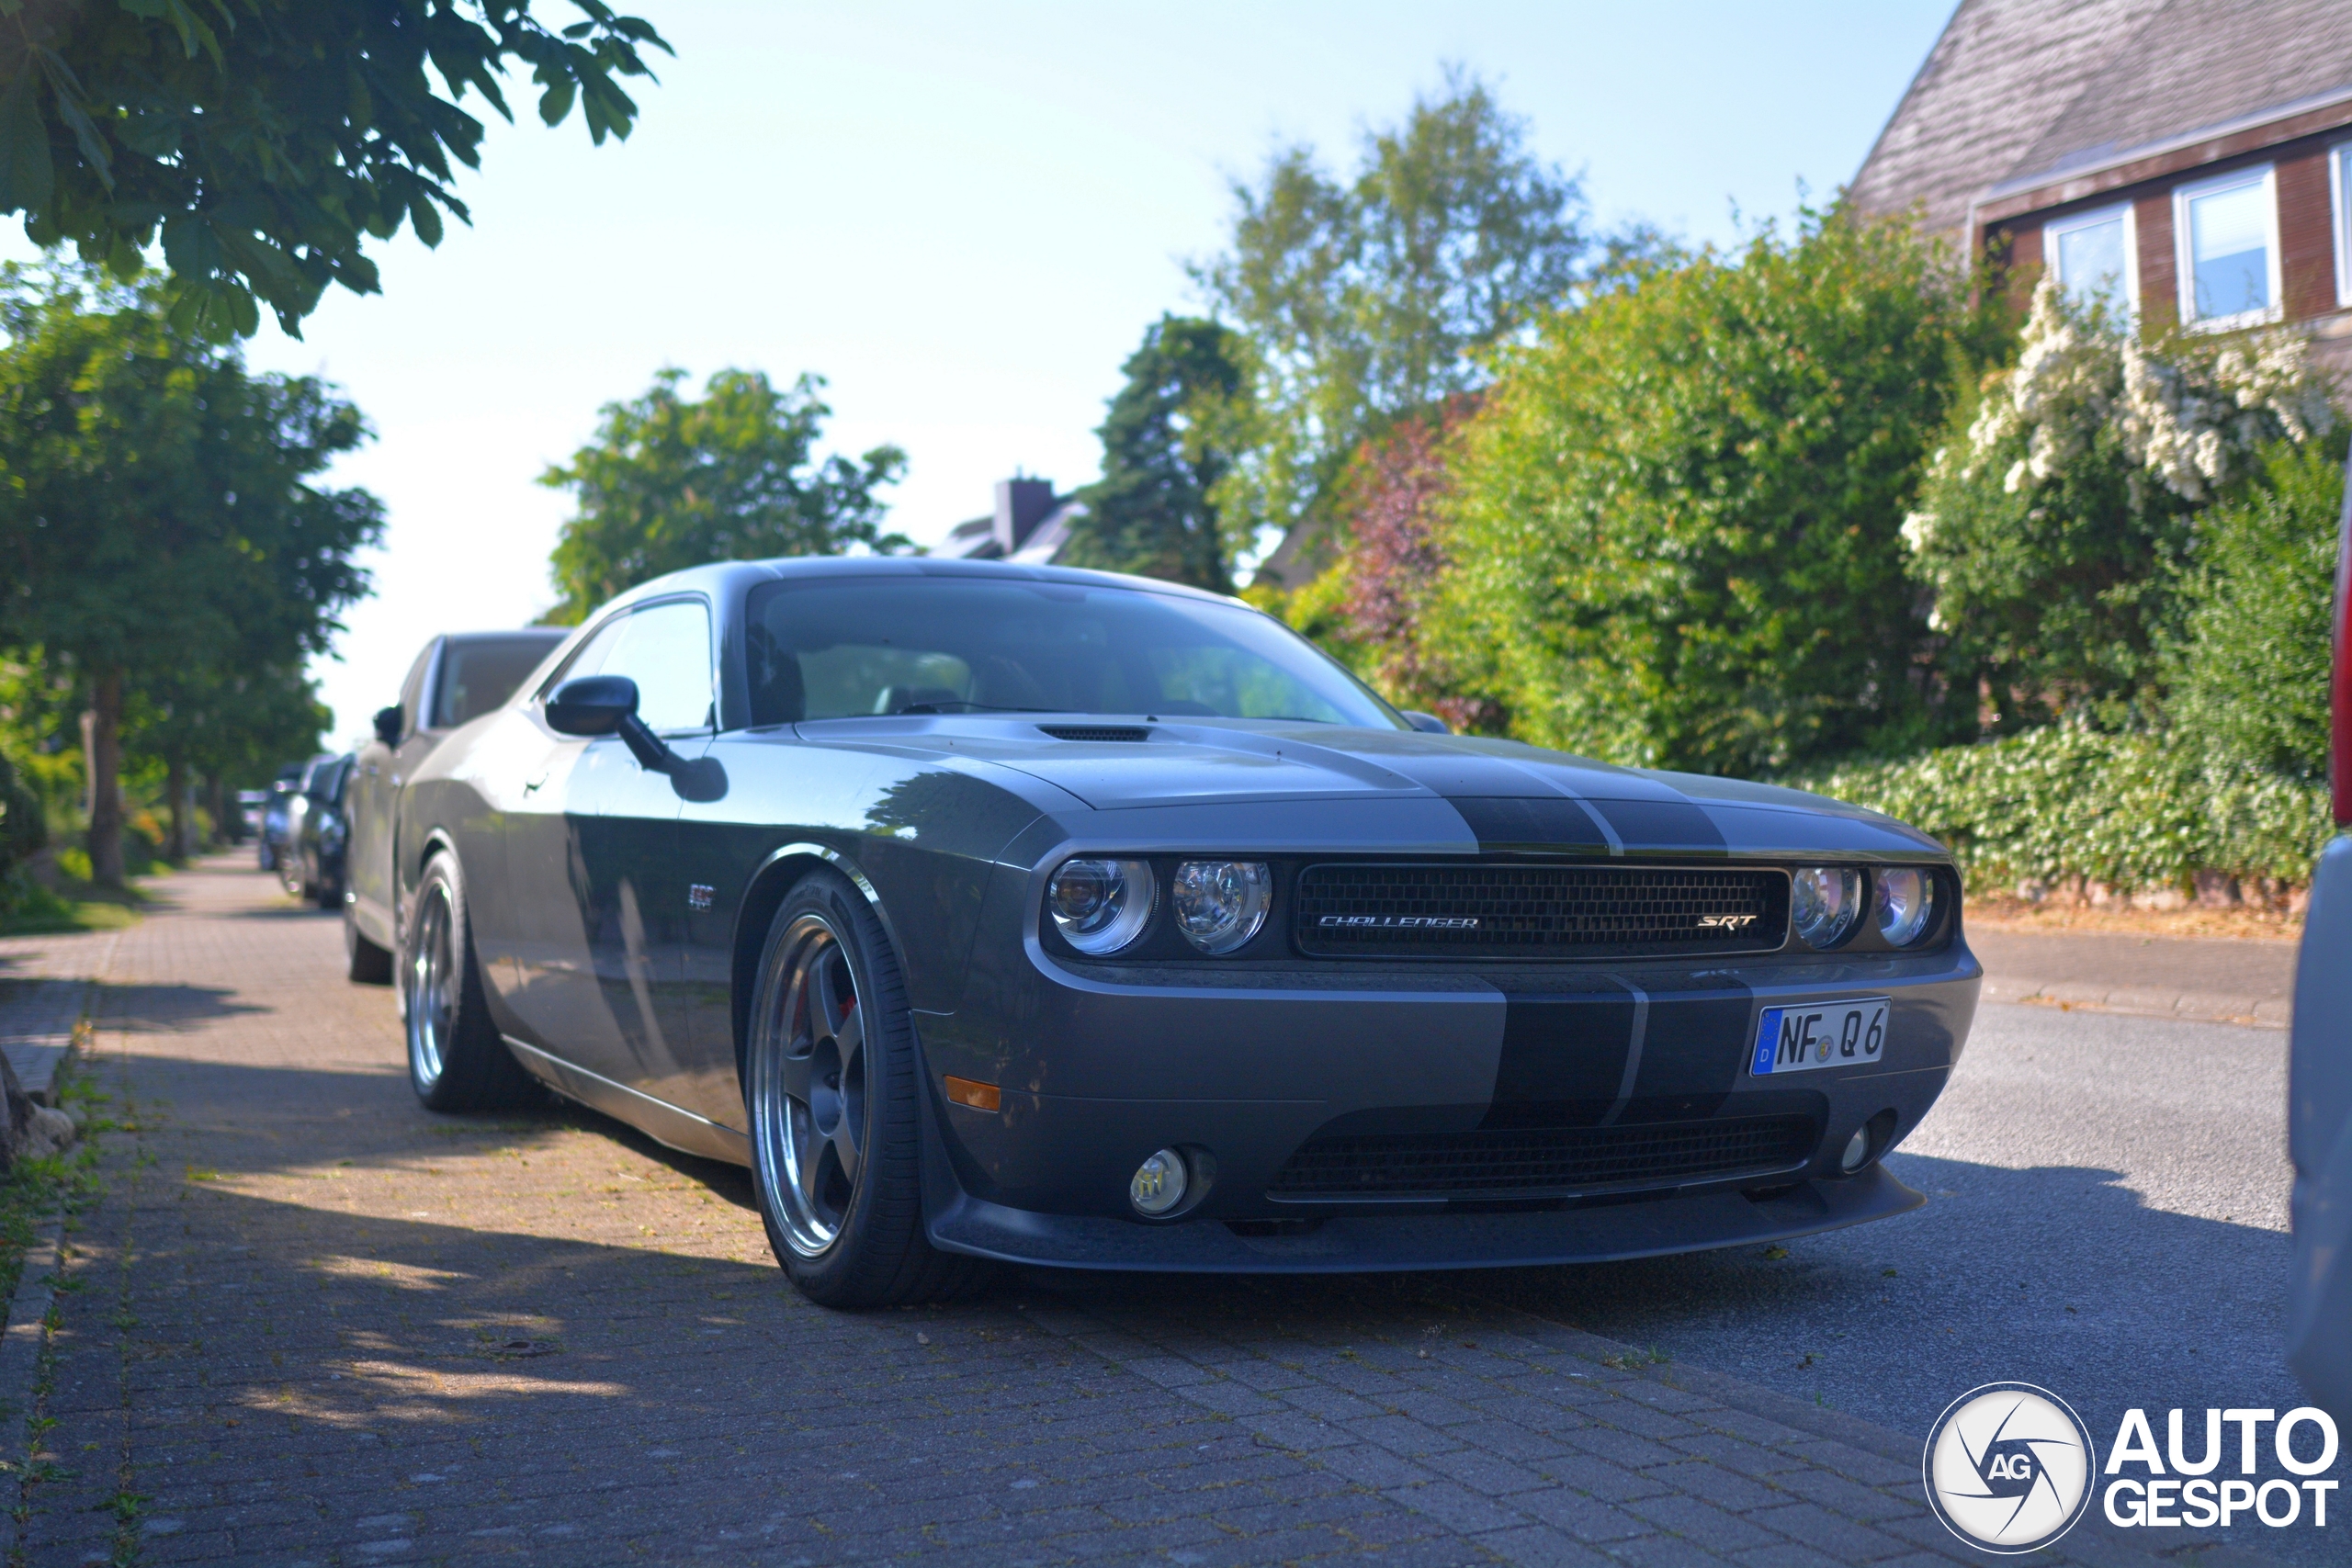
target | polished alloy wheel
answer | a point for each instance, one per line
(430, 980)
(809, 1086)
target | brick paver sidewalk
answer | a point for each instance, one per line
(307, 1322)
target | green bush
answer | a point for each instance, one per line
(2251, 679)
(1675, 519)
(2136, 812)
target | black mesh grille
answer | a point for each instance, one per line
(1536, 1161)
(1096, 731)
(1537, 911)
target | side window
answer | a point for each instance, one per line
(412, 690)
(665, 649)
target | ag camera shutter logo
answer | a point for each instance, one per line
(2008, 1467)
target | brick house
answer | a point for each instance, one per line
(1030, 524)
(2189, 160)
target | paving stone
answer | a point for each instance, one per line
(1535, 1546)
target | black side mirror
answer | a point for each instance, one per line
(606, 704)
(388, 724)
(592, 705)
(1427, 722)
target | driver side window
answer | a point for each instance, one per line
(665, 649)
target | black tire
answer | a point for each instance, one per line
(364, 962)
(836, 1138)
(455, 1060)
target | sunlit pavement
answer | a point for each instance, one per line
(307, 1322)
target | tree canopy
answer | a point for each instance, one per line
(264, 141)
(1167, 445)
(672, 482)
(1361, 300)
(162, 535)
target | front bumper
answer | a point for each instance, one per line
(1098, 1066)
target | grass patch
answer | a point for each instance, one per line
(35, 1190)
(27, 908)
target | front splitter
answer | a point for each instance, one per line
(1347, 1244)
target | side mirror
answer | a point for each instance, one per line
(606, 704)
(592, 705)
(1428, 723)
(388, 724)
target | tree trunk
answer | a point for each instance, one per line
(216, 800)
(106, 781)
(176, 780)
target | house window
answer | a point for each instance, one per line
(2339, 183)
(2227, 238)
(2095, 257)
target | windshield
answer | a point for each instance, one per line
(840, 647)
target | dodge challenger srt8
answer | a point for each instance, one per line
(1000, 912)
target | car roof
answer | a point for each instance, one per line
(723, 578)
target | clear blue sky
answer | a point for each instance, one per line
(963, 216)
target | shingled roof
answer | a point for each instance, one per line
(2017, 91)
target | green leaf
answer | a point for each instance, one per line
(27, 178)
(556, 102)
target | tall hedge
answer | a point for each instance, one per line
(1674, 521)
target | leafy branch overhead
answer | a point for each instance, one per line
(263, 140)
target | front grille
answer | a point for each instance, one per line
(1096, 731)
(1540, 1161)
(1538, 911)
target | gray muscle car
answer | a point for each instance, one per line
(1019, 913)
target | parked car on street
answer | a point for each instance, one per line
(301, 803)
(455, 680)
(270, 839)
(317, 828)
(250, 806)
(991, 911)
(2318, 1090)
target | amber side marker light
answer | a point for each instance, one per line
(979, 1096)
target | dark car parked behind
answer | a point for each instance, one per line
(311, 866)
(271, 839)
(458, 678)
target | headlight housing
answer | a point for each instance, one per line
(1824, 903)
(1220, 904)
(1101, 905)
(1903, 898)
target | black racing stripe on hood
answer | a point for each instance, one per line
(1661, 824)
(1541, 822)
(1563, 1059)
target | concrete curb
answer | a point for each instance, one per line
(2201, 1007)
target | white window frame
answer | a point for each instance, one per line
(2339, 156)
(2072, 221)
(2184, 261)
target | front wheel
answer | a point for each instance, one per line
(456, 1059)
(831, 1090)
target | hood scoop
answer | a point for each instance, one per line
(1096, 731)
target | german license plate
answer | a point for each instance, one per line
(1820, 1034)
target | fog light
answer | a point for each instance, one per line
(1857, 1151)
(1159, 1183)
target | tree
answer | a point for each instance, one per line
(1167, 445)
(1673, 527)
(266, 140)
(2060, 508)
(160, 529)
(1364, 301)
(671, 482)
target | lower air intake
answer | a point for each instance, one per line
(1539, 1162)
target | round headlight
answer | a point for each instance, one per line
(1100, 905)
(1904, 899)
(1824, 903)
(1220, 904)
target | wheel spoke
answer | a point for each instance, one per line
(810, 1171)
(849, 1038)
(792, 1075)
(824, 998)
(844, 1143)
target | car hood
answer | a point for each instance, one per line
(1509, 794)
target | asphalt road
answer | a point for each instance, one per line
(2106, 1218)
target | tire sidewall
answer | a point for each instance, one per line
(889, 1072)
